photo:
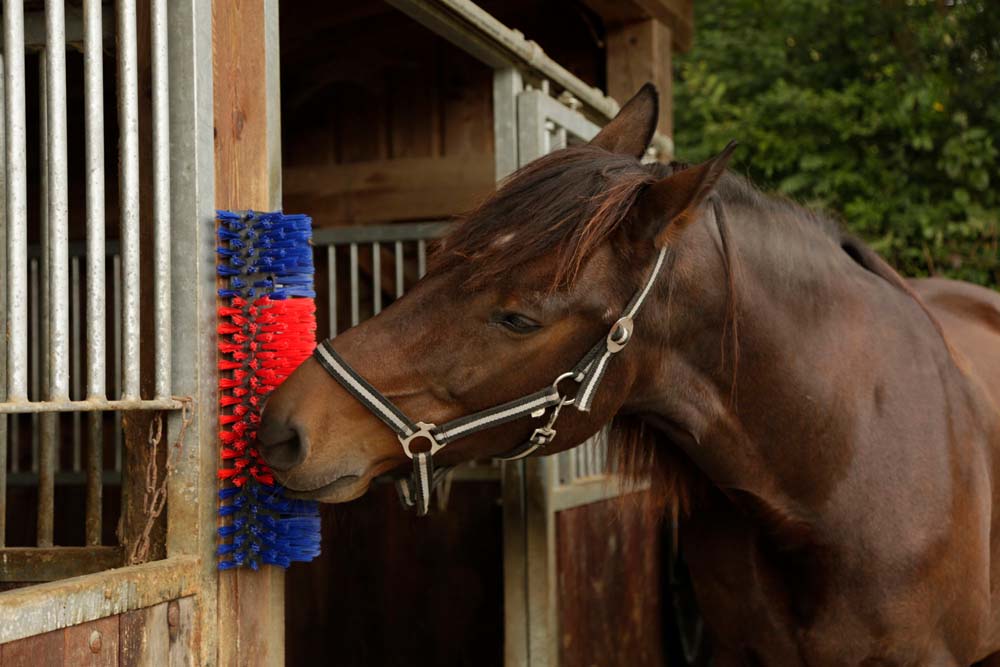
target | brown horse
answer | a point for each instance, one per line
(831, 431)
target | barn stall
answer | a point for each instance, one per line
(383, 121)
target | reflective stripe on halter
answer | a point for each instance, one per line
(588, 373)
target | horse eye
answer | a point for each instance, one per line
(516, 322)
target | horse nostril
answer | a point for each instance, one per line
(280, 446)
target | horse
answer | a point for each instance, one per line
(827, 432)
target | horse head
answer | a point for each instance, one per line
(515, 296)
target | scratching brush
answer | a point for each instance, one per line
(267, 329)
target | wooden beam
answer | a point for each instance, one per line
(251, 604)
(24, 564)
(677, 15)
(637, 53)
(387, 190)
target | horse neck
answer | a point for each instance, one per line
(817, 334)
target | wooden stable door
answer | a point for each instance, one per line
(580, 567)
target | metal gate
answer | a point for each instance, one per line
(75, 317)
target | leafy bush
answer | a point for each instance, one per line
(886, 114)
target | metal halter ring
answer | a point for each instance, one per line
(555, 385)
(426, 431)
(620, 334)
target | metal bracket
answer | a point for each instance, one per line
(425, 431)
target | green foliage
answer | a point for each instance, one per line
(886, 114)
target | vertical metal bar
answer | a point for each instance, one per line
(35, 331)
(93, 83)
(376, 278)
(398, 256)
(331, 286)
(16, 201)
(116, 307)
(58, 200)
(95, 465)
(76, 352)
(3, 328)
(355, 318)
(128, 126)
(421, 258)
(161, 195)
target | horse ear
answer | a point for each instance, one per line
(673, 201)
(632, 129)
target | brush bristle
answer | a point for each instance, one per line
(266, 330)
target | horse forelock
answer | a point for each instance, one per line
(561, 207)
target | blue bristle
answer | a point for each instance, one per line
(265, 253)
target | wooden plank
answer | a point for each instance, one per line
(44, 650)
(386, 190)
(677, 15)
(609, 588)
(93, 644)
(180, 626)
(639, 53)
(19, 564)
(145, 639)
(59, 604)
(251, 610)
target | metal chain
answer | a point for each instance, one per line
(155, 498)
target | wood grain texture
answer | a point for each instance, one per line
(180, 629)
(94, 644)
(251, 621)
(45, 650)
(609, 588)
(639, 53)
(144, 637)
(676, 15)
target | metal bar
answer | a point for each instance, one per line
(421, 258)
(16, 201)
(331, 286)
(95, 468)
(116, 332)
(35, 332)
(376, 278)
(400, 276)
(93, 83)
(68, 405)
(52, 606)
(128, 161)
(161, 195)
(58, 200)
(65, 478)
(46, 479)
(355, 315)
(3, 328)
(76, 353)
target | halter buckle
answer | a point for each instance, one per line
(426, 431)
(620, 334)
(542, 436)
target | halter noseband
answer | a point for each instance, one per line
(588, 373)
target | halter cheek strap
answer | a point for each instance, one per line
(415, 491)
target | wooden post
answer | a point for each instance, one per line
(639, 52)
(247, 176)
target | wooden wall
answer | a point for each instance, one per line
(158, 636)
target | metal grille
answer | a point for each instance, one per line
(55, 309)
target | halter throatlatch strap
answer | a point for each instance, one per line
(415, 491)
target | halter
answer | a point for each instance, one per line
(587, 374)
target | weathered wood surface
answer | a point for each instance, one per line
(677, 15)
(251, 620)
(637, 53)
(21, 564)
(609, 585)
(157, 636)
